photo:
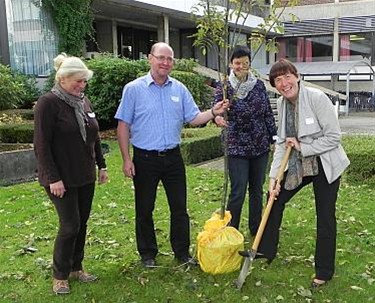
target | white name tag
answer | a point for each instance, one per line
(175, 98)
(309, 121)
(91, 115)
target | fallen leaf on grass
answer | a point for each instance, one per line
(356, 287)
(25, 250)
(304, 292)
(142, 281)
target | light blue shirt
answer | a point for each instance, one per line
(154, 113)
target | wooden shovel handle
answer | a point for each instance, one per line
(271, 200)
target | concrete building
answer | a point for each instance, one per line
(331, 39)
(128, 28)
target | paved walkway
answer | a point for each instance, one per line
(355, 123)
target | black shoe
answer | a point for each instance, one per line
(315, 284)
(149, 263)
(188, 260)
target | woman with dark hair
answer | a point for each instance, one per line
(250, 131)
(67, 148)
(308, 123)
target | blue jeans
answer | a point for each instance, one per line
(247, 174)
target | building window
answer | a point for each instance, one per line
(355, 46)
(32, 37)
(306, 49)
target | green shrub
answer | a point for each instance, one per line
(186, 65)
(360, 151)
(30, 92)
(105, 88)
(196, 84)
(10, 90)
(50, 82)
(16, 90)
(17, 133)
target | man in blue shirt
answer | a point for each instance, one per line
(151, 115)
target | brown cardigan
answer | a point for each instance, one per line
(59, 148)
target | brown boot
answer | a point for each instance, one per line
(82, 276)
(60, 287)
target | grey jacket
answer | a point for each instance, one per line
(318, 132)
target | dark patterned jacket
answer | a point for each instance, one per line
(251, 124)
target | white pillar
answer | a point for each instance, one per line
(347, 94)
(163, 29)
(114, 38)
(336, 41)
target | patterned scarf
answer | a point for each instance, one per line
(298, 166)
(242, 88)
(76, 103)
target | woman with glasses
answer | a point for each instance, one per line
(250, 133)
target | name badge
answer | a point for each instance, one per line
(91, 115)
(175, 98)
(309, 121)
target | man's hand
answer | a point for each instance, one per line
(220, 107)
(128, 169)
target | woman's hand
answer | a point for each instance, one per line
(220, 121)
(293, 142)
(274, 188)
(57, 189)
(102, 176)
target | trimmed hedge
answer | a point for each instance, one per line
(361, 153)
(201, 144)
(25, 114)
(17, 133)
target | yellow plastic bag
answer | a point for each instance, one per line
(218, 246)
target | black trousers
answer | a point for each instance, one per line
(73, 211)
(325, 205)
(247, 175)
(150, 169)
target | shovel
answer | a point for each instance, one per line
(253, 251)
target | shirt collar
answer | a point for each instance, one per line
(150, 80)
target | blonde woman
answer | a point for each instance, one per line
(67, 148)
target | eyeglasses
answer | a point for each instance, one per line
(163, 58)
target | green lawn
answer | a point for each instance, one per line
(28, 227)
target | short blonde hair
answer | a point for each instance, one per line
(66, 66)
